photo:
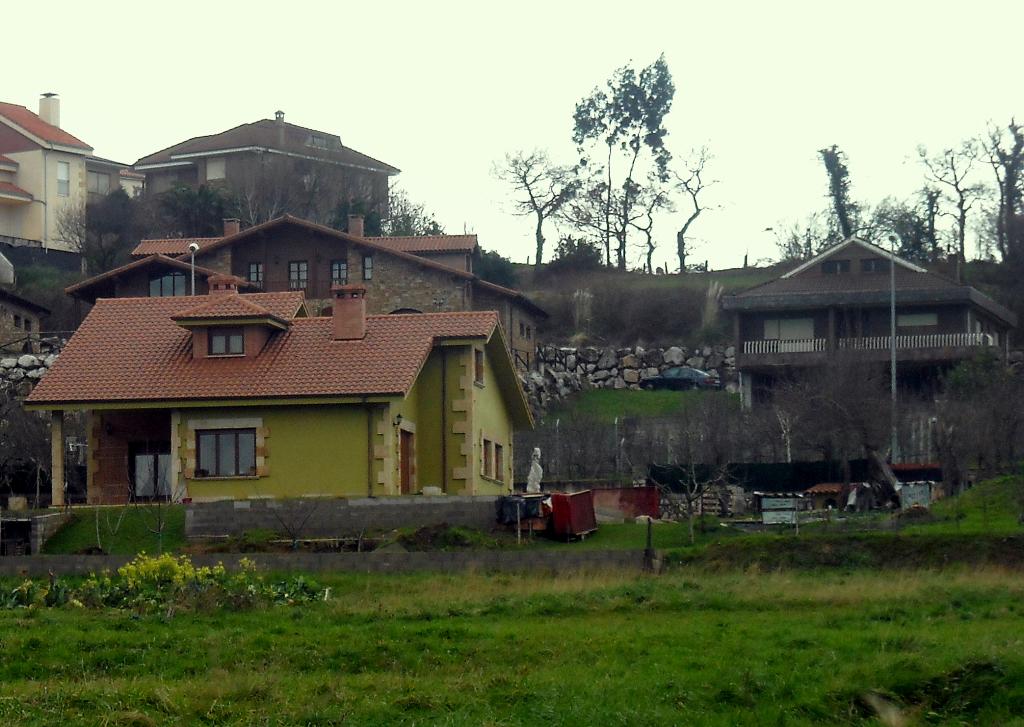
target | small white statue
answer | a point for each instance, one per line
(536, 472)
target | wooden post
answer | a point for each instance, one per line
(57, 458)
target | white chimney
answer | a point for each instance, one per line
(49, 109)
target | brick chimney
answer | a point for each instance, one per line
(223, 284)
(349, 313)
(232, 226)
(355, 225)
(49, 109)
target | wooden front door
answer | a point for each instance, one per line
(405, 460)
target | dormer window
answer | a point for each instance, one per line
(835, 267)
(874, 265)
(227, 341)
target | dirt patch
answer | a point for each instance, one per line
(445, 537)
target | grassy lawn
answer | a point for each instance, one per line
(991, 507)
(600, 649)
(604, 405)
(122, 531)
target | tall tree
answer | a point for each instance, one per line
(541, 189)
(405, 217)
(626, 116)
(844, 208)
(655, 198)
(1005, 151)
(691, 184)
(951, 170)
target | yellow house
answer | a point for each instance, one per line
(231, 395)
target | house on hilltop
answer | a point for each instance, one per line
(232, 395)
(45, 170)
(273, 166)
(838, 304)
(289, 254)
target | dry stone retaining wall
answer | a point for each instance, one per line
(21, 372)
(562, 371)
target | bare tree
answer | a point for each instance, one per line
(655, 198)
(951, 169)
(1005, 151)
(691, 184)
(541, 188)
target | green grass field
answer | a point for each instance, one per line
(120, 530)
(604, 405)
(599, 649)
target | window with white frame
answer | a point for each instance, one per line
(64, 179)
(216, 168)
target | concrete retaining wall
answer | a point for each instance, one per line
(524, 561)
(329, 517)
(44, 526)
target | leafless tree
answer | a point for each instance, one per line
(952, 170)
(1005, 151)
(541, 189)
(691, 183)
(655, 198)
(24, 439)
(841, 410)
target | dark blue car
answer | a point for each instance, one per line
(680, 378)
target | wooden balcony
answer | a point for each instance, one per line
(934, 347)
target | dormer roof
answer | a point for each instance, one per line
(228, 309)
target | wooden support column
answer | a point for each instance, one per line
(831, 329)
(57, 458)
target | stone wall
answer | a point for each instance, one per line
(562, 371)
(21, 372)
(341, 517)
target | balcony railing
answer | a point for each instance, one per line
(928, 340)
(871, 343)
(775, 345)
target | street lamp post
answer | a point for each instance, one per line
(893, 239)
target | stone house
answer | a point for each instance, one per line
(837, 304)
(288, 254)
(232, 396)
(20, 322)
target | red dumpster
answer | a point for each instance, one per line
(572, 514)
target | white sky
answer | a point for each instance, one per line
(442, 90)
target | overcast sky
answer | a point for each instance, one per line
(442, 90)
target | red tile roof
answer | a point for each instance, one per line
(825, 488)
(13, 189)
(226, 305)
(130, 349)
(429, 243)
(171, 245)
(31, 123)
(7, 160)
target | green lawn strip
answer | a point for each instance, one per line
(122, 530)
(604, 405)
(688, 648)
